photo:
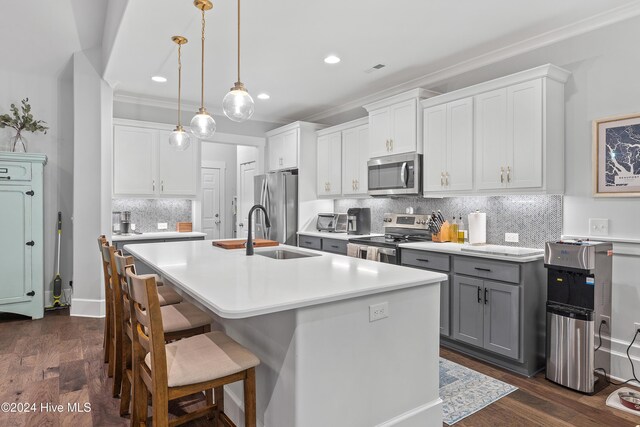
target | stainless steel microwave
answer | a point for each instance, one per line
(397, 175)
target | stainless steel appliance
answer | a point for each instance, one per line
(359, 221)
(125, 222)
(115, 222)
(398, 229)
(398, 175)
(332, 222)
(578, 294)
(278, 193)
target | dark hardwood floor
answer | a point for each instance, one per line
(59, 360)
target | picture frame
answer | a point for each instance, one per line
(616, 156)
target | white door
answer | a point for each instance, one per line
(245, 196)
(459, 173)
(435, 148)
(404, 127)
(524, 130)
(211, 206)
(491, 139)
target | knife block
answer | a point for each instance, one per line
(443, 235)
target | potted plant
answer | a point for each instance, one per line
(21, 120)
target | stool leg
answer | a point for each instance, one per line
(250, 398)
(209, 401)
(219, 396)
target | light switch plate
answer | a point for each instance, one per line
(598, 227)
(511, 237)
(162, 226)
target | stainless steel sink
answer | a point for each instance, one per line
(285, 254)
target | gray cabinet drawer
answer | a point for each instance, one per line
(335, 246)
(10, 171)
(310, 242)
(423, 259)
(487, 269)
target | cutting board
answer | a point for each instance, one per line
(240, 244)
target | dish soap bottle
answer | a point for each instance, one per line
(462, 231)
(453, 236)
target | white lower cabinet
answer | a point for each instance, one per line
(145, 165)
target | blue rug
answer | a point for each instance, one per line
(464, 391)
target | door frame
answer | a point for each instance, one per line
(239, 191)
(197, 204)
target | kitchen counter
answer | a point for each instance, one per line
(158, 235)
(309, 321)
(457, 249)
(337, 236)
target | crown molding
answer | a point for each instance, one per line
(344, 126)
(170, 104)
(571, 30)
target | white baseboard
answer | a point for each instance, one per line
(87, 307)
(620, 366)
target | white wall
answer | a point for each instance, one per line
(227, 154)
(50, 101)
(92, 122)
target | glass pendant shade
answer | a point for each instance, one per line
(179, 139)
(202, 125)
(238, 104)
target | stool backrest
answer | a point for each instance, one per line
(147, 328)
(114, 298)
(102, 240)
(122, 262)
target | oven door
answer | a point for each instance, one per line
(388, 255)
(395, 175)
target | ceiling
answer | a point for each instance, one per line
(41, 37)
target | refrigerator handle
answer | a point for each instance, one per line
(264, 201)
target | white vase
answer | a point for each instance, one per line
(18, 143)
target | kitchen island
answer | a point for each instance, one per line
(323, 361)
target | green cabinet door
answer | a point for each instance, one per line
(15, 232)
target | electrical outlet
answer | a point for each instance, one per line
(162, 226)
(378, 311)
(511, 237)
(598, 227)
(133, 227)
(606, 320)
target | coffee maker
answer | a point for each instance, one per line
(358, 221)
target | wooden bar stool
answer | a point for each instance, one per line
(106, 344)
(180, 321)
(181, 368)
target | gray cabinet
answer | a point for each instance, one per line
(326, 244)
(468, 310)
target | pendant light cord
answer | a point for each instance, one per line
(202, 64)
(179, 85)
(239, 41)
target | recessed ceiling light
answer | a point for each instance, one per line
(159, 79)
(263, 96)
(331, 59)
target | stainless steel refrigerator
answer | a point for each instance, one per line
(278, 193)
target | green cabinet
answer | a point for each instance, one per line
(21, 228)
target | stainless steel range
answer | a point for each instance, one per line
(398, 229)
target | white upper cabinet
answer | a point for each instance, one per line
(144, 165)
(283, 150)
(448, 147)
(395, 126)
(505, 136)
(329, 180)
(134, 161)
(355, 154)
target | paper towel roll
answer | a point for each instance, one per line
(477, 228)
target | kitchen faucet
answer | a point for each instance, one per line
(267, 224)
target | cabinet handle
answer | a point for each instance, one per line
(30, 294)
(5, 177)
(479, 296)
(162, 185)
(422, 260)
(306, 242)
(30, 243)
(357, 184)
(335, 246)
(280, 161)
(387, 143)
(441, 179)
(4, 170)
(485, 295)
(501, 175)
(446, 179)
(483, 269)
(391, 144)
(154, 184)
(508, 173)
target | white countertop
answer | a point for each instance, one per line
(456, 249)
(337, 236)
(158, 235)
(234, 285)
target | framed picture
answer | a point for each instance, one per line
(616, 156)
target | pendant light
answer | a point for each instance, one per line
(202, 124)
(179, 139)
(238, 104)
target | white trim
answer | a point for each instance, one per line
(409, 416)
(603, 239)
(619, 360)
(81, 307)
(571, 30)
(404, 96)
(169, 104)
(295, 125)
(344, 126)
